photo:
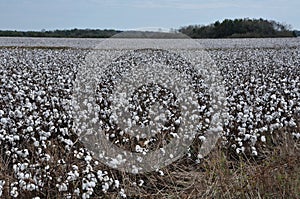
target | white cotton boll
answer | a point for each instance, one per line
(161, 173)
(199, 156)
(117, 184)
(292, 123)
(273, 97)
(23, 166)
(14, 192)
(122, 193)
(263, 138)
(138, 149)
(77, 191)
(240, 143)
(106, 178)
(240, 150)
(27, 176)
(18, 114)
(174, 135)
(63, 187)
(247, 137)
(36, 143)
(72, 176)
(1, 113)
(75, 167)
(134, 170)
(296, 135)
(105, 187)
(217, 129)
(68, 142)
(30, 187)
(177, 122)
(239, 107)
(202, 138)
(100, 175)
(46, 158)
(263, 129)
(243, 149)
(4, 120)
(85, 196)
(242, 131)
(114, 162)
(84, 186)
(24, 153)
(16, 137)
(79, 155)
(141, 182)
(92, 184)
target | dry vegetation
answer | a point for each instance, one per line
(221, 176)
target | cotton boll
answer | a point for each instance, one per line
(122, 193)
(202, 138)
(30, 187)
(14, 192)
(1, 113)
(141, 182)
(62, 187)
(29, 129)
(296, 135)
(117, 183)
(4, 120)
(263, 139)
(105, 187)
(161, 173)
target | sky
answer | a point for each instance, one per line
(139, 14)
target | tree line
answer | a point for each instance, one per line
(73, 33)
(239, 28)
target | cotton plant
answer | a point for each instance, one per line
(35, 122)
(263, 94)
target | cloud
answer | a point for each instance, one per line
(196, 5)
(152, 4)
(181, 5)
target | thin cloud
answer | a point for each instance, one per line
(193, 5)
(182, 5)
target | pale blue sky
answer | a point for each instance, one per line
(132, 14)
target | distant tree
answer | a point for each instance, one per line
(239, 28)
(73, 33)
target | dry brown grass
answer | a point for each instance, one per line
(219, 175)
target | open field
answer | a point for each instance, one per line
(205, 43)
(257, 156)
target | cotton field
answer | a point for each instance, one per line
(41, 155)
(263, 94)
